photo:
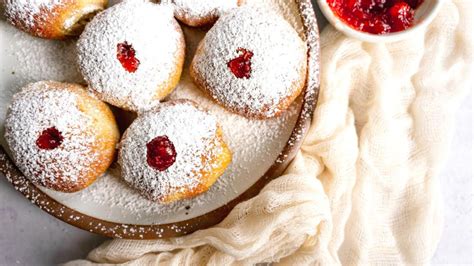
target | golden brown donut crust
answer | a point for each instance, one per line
(215, 161)
(284, 103)
(160, 53)
(61, 21)
(167, 87)
(106, 138)
(175, 75)
(209, 67)
(218, 162)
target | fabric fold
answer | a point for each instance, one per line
(363, 189)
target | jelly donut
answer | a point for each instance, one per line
(173, 151)
(60, 137)
(52, 19)
(197, 13)
(132, 54)
(252, 62)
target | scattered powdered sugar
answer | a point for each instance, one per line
(36, 108)
(40, 59)
(286, 9)
(30, 11)
(202, 10)
(191, 131)
(155, 36)
(277, 66)
(255, 144)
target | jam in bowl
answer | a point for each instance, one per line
(379, 20)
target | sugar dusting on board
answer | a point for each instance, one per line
(255, 144)
(45, 59)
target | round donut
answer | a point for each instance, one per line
(173, 151)
(52, 19)
(252, 62)
(198, 13)
(60, 137)
(132, 54)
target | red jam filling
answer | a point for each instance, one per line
(49, 139)
(376, 16)
(126, 56)
(241, 66)
(161, 153)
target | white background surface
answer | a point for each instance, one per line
(29, 236)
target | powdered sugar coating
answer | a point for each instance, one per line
(278, 62)
(36, 108)
(192, 132)
(110, 199)
(155, 36)
(52, 19)
(200, 12)
(30, 11)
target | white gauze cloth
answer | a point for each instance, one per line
(364, 187)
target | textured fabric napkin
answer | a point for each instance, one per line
(364, 187)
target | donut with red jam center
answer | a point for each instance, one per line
(172, 152)
(60, 137)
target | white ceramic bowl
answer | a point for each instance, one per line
(424, 14)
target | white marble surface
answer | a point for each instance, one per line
(29, 236)
(456, 246)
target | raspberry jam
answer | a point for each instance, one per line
(241, 66)
(160, 153)
(49, 139)
(126, 56)
(376, 16)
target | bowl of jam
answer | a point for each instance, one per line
(379, 20)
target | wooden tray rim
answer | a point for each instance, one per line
(175, 229)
